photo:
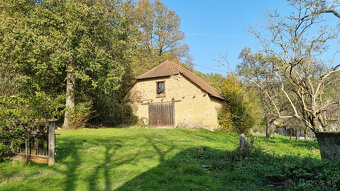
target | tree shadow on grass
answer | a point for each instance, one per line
(156, 146)
(69, 154)
(215, 169)
(71, 157)
(70, 172)
(103, 172)
(93, 164)
(109, 153)
(189, 169)
(107, 165)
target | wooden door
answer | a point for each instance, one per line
(162, 114)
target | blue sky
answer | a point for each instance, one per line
(218, 28)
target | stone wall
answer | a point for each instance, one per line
(329, 143)
(193, 106)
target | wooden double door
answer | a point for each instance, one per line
(162, 114)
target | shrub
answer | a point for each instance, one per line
(142, 122)
(285, 172)
(113, 111)
(5, 151)
(240, 112)
(224, 119)
(80, 115)
(6, 137)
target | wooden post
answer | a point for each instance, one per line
(243, 143)
(34, 147)
(41, 146)
(51, 141)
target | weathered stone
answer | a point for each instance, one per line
(243, 143)
(329, 143)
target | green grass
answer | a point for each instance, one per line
(167, 159)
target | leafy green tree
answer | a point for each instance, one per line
(160, 36)
(79, 49)
(160, 27)
(258, 72)
(213, 79)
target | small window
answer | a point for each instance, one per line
(160, 89)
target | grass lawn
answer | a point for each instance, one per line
(168, 159)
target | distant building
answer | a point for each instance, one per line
(169, 95)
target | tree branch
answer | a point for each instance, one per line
(335, 13)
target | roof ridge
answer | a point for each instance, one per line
(152, 69)
(183, 68)
(174, 65)
(169, 68)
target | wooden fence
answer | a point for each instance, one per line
(38, 144)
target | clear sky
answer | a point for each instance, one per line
(215, 28)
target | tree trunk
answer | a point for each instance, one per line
(160, 51)
(267, 126)
(306, 133)
(70, 102)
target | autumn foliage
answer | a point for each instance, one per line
(240, 110)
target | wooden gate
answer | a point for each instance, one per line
(162, 114)
(37, 143)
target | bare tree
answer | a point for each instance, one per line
(258, 73)
(296, 42)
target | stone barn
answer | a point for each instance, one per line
(169, 95)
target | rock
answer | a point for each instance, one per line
(243, 143)
(329, 143)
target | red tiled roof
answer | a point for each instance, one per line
(169, 68)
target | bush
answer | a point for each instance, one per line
(5, 152)
(285, 172)
(142, 122)
(113, 110)
(8, 136)
(5, 139)
(240, 112)
(224, 119)
(80, 115)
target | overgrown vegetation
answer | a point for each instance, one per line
(240, 112)
(79, 52)
(88, 43)
(168, 159)
(17, 113)
(75, 60)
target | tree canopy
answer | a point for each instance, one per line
(82, 56)
(295, 43)
(88, 43)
